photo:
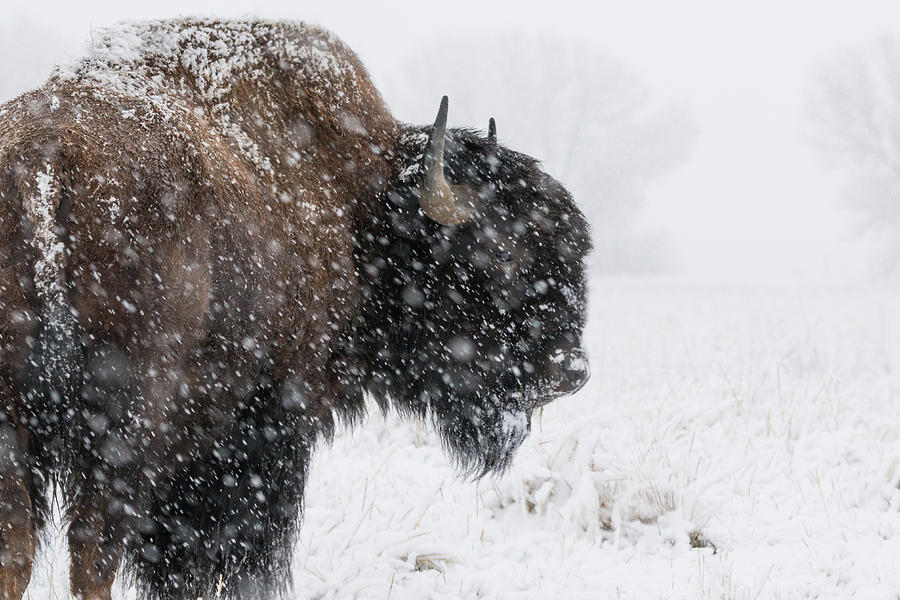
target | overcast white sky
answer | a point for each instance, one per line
(751, 204)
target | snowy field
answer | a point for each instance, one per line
(733, 443)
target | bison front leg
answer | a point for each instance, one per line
(101, 492)
(96, 544)
(101, 517)
(17, 536)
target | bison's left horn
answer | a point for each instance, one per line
(492, 131)
(444, 203)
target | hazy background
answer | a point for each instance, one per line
(739, 142)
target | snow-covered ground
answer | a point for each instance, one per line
(732, 443)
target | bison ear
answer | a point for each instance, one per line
(492, 131)
(443, 203)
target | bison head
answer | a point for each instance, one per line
(474, 291)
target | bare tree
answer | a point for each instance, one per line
(592, 122)
(855, 110)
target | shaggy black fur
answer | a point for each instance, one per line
(470, 324)
(225, 526)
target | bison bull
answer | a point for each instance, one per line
(215, 240)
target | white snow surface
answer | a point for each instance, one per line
(761, 423)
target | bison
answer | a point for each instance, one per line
(215, 243)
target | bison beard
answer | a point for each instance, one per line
(178, 329)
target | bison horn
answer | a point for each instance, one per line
(443, 203)
(492, 131)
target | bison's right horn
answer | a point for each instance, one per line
(492, 131)
(443, 203)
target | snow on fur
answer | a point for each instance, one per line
(213, 59)
(41, 204)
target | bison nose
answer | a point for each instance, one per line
(575, 379)
(572, 373)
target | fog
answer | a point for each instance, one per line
(709, 171)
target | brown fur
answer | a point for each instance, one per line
(209, 264)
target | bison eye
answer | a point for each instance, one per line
(503, 256)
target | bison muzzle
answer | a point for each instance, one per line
(215, 241)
